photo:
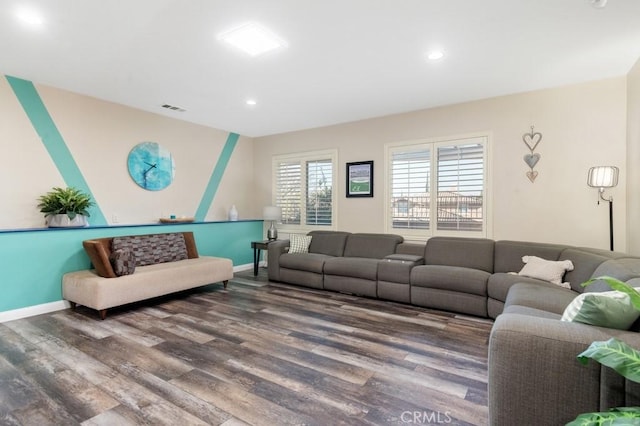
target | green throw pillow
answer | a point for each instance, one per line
(612, 309)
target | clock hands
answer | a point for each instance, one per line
(144, 174)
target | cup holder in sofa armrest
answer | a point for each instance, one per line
(398, 257)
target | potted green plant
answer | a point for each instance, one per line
(619, 356)
(65, 207)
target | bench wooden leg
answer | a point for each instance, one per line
(224, 283)
(73, 305)
(103, 313)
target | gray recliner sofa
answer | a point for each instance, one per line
(534, 377)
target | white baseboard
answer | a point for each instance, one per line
(31, 311)
(244, 267)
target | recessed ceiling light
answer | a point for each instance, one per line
(252, 39)
(598, 4)
(434, 55)
(251, 102)
(29, 16)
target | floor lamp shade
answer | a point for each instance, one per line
(603, 177)
(273, 214)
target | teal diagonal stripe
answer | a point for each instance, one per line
(42, 122)
(216, 177)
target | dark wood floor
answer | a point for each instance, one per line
(258, 353)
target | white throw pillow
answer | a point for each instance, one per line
(612, 309)
(299, 243)
(548, 270)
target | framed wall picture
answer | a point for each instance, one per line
(360, 179)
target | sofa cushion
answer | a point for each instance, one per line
(545, 296)
(584, 262)
(547, 270)
(452, 278)
(299, 243)
(500, 283)
(508, 254)
(624, 269)
(123, 262)
(373, 246)
(612, 309)
(533, 312)
(330, 243)
(154, 248)
(475, 253)
(356, 267)
(311, 262)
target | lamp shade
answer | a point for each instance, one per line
(602, 177)
(271, 213)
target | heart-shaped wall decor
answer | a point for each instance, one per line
(532, 175)
(531, 160)
(531, 140)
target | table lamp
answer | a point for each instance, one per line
(273, 214)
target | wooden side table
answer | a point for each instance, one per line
(257, 246)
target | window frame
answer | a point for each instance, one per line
(303, 158)
(433, 144)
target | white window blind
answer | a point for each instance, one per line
(410, 172)
(289, 188)
(436, 188)
(460, 187)
(319, 192)
(304, 189)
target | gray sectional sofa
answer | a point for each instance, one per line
(534, 377)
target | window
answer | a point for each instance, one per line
(453, 170)
(304, 189)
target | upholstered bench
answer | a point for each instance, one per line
(132, 268)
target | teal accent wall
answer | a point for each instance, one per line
(33, 261)
(216, 176)
(42, 122)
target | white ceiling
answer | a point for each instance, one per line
(346, 59)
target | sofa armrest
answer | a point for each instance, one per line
(275, 250)
(535, 377)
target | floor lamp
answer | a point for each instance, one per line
(604, 177)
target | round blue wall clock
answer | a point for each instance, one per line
(151, 166)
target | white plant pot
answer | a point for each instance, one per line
(63, 221)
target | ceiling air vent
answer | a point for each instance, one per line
(173, 108)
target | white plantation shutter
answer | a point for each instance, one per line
(410, 188)
(460, 187)
(304, 189)
(288, 190)
(452, 171)
(319, 192)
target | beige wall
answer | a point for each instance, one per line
(99, 135)
(582, 126)
(633, 159)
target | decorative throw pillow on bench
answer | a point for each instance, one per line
(123, 262)
(154, 248)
